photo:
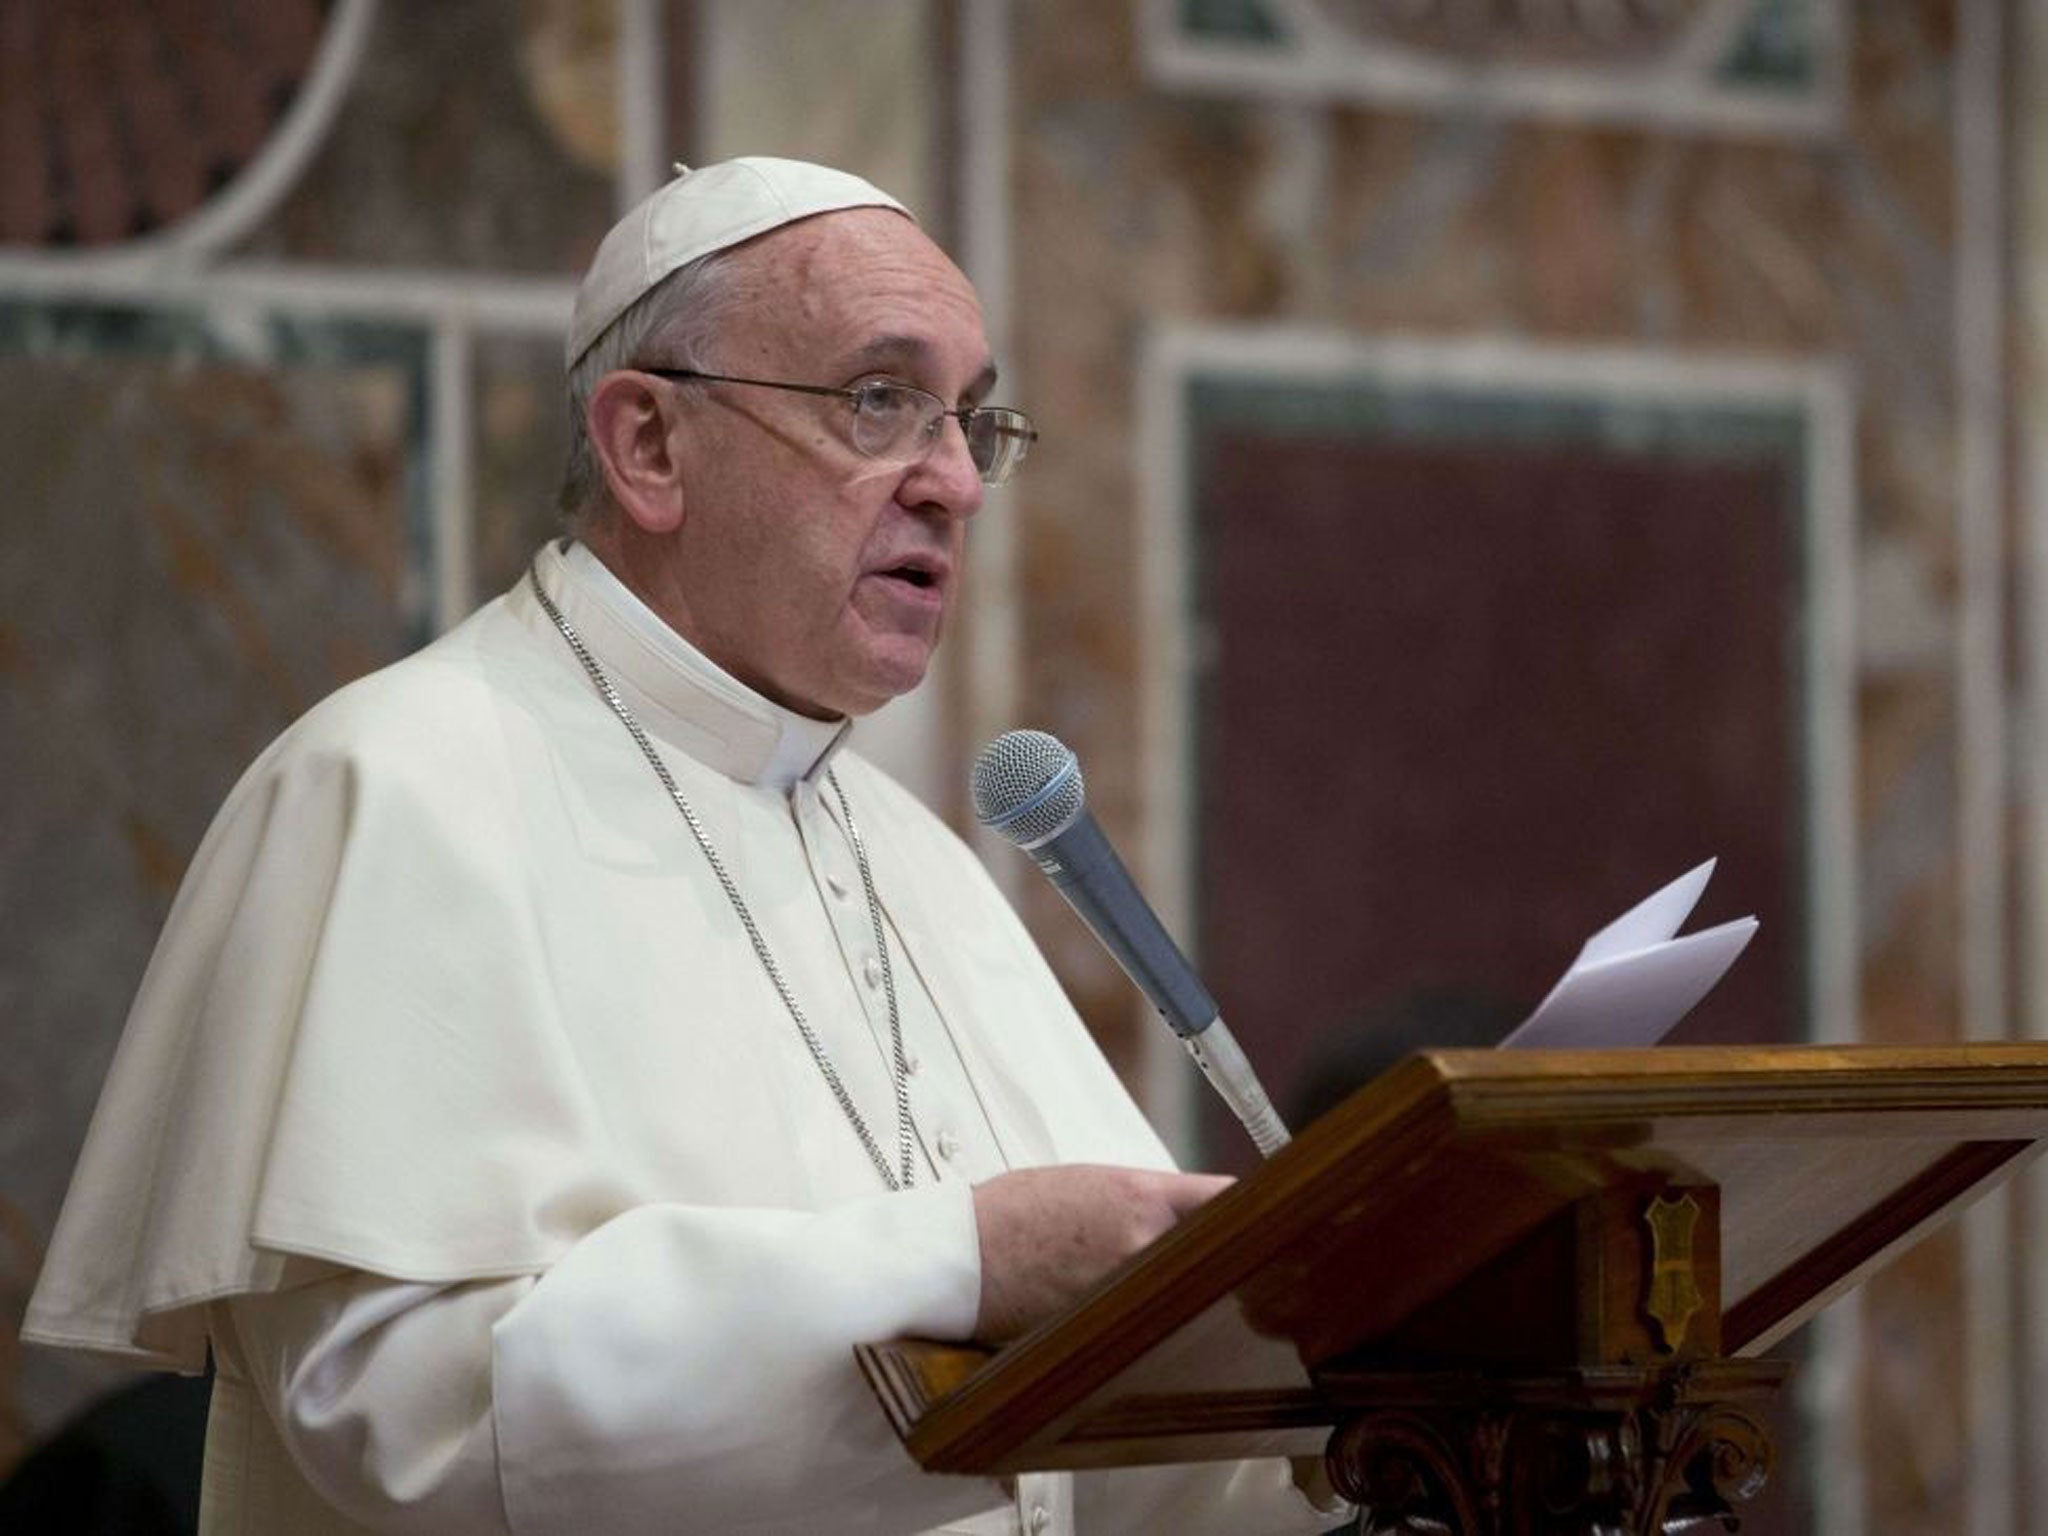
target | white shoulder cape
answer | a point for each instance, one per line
(391, 1024)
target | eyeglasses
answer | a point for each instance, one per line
(892, 421)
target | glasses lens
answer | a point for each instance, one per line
(888, 417)
(900, 421)
(997, 440)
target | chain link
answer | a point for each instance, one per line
(899, 1063)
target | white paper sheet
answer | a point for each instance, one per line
(1633, 980)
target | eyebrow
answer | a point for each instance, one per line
(910, 350)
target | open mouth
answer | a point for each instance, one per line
(917, 576)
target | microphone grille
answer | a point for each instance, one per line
(1027, 786)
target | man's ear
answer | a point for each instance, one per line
(630, 434)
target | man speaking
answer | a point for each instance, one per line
(563, 1049)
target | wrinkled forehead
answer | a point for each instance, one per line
(864, 284)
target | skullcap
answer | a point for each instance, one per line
(699, 212)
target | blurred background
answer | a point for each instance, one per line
(1496, 455)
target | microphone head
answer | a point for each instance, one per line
(1027, 786)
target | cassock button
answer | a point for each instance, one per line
(949, 1147)
(1041, 1517)
(872, 969)
(837, 886)
(910, 1062)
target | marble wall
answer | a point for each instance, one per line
(233, 492)
(201, 547)
(283, 441)
(1247, 172)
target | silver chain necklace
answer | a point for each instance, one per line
(900, 1178)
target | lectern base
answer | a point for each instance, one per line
(1611, 1452)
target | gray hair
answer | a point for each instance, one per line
(674, 323)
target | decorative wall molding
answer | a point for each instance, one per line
(1816, 392)
(1984, 705)
(992, 657)
(1761, 68)
(258, 186)
(2029, 221)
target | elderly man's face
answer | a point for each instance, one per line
(814, 574)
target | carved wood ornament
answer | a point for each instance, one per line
(1642, 1455)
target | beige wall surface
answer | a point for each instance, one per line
(263, 446)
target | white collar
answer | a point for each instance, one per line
(679, 694)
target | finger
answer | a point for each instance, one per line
(1186, 1191)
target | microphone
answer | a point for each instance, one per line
(1027, 787)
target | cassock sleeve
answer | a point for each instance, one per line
(680, 1369)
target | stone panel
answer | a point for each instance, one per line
(522, 440)
(1483, 668)
(196, 550)
(477, 134)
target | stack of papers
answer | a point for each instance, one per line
(1634, 979)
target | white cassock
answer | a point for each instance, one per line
(458, 1114)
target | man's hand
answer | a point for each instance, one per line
(1048, 1234)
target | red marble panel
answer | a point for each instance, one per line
(1468, 702)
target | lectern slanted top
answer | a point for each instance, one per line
(1477, 1216)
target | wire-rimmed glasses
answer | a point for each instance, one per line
(901, 421)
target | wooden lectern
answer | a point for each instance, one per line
(1503, 1291)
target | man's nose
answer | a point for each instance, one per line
(946, 477)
